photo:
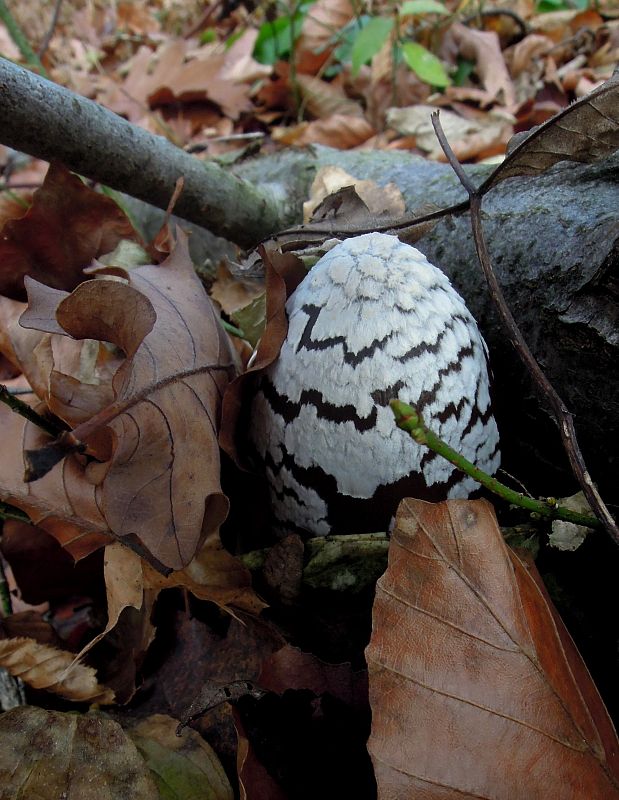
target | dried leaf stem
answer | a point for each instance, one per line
(562, 415)
(410, 420)
(24, 410)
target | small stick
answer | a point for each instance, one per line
(24, 410)
(410, 420)
(52, 27)
(563, 417)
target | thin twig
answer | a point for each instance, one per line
(410, 420)
(50, 32)
(563, 417)
(9, 187)
(523, 28)
(24, 410)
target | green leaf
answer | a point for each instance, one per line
(424, 64)
(548, 6)
(369, 41)
(274, 40)
(464, 69)
(184, 767)
(208, 35)
(344, 39)
(251, 319)
(413, 7)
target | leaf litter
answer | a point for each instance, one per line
(152, 77)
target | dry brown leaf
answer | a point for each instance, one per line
(586, 131)
(215, 575)
(10, 312)
(476, 688)
(73, 378)
(231, 293)
(322, 23)
(380, 200)
(45, 667)
(284, 272)
(484, 48)
(527, 50)
(326, 100)
(239, 65)
(124, 587)
(339, 130)
(49, 755)
(469, 138)
(63, 502)
(212, 575)
(160, 488)
(66, 227)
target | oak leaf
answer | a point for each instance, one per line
(157, 489)
(476, 688)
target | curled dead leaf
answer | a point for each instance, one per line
(45, 667)
(382, 201)
(67, 226)
(284, 272)
(484, 48)
(159, 489)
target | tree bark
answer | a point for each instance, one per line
(45, 120)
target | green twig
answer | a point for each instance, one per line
(17, 35)
(232, 329)
(408, 418)
(24, 410)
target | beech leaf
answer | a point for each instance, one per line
(425, 64)
(48, 755)
(586, 131)
(369, 41)
(159, 489)
(183, 765)
(476, 688)
(45, 667)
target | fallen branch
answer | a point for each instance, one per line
(47, 121)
